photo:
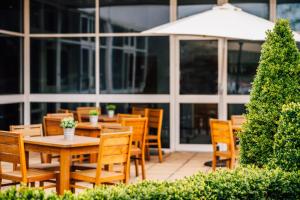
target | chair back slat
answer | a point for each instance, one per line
(32, 130)
(52, 126)
(84, 111)
(114, 149)
(115, 129)
(238, 120)
(139, 111)
(139, 128)
(121, 116)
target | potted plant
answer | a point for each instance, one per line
(111, 110)
(94, 116)
(68, 124)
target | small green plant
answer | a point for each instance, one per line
(68, 122)
(287, 138)
(111, 107)
(93, 113)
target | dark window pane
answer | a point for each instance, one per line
(134, 65)
(63, 65)
(259, 8)
(10, 114)
(194, 122)
(235, 109)
(132, 15)
(11, 15)
(11, 65)
(126, 108)
(289, 9)
(243, 58)
(198, 67)
(192, 7)
(39, 110)
(67, 16)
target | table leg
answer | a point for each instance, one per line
(65, 161)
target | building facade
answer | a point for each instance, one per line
(63, 54)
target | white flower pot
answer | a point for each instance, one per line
(69, 133)
(111, 113)
(93, 119)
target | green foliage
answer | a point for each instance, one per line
(287, 138)
(68, 122)
(111, 107)
(93, 112)
(277, 82)
(241, 183)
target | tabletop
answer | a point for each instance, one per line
(99, 125)
(59, 141)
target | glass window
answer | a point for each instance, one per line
(192, 7)
(63, 65)
(67, 16)
(289, 9)
(11, 15)
(243, 59)
(39, 110)
(236, 109)
(11, 114)
(134, 65)
(11, 65)
(126, 108)
(194, 122)
(132, 15)
(259, 8)
(198, 67)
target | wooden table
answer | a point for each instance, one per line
(65, 148)
(101, 118)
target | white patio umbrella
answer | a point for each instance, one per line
(226, 21)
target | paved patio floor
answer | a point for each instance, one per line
(176, 165)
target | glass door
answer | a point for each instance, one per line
(198, 98)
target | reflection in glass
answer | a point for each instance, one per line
(11, 114)
(67, 16)
(126, 108)
(192, 7)
(134, 65)
(259, 8)
(194, 122)
(236, 109)
(11, 65)
(63, 65)
(243, 59)
(39, 110)
(289, 9)
(132, 15)
(198, 67)
(11, 15)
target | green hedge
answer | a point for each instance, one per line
(241, 183)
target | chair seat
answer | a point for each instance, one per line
(89, 175)
(135, 151)
(32, 175)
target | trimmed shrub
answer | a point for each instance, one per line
(241, 183)
(277, 82)
(287, 138)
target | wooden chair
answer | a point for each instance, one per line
(33, 130)
(85, 111)
(238, 120)
(122, 116)
(221, 133)
(139, 111)
(12, 151)
(114, 149)
(155, 119)
(139, 131)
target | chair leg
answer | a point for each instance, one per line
(147, 152)
(214, 162)
(160, 157)
(57, 183)
(136, 163)
(232, 162)
(42, 184)
(143, 167)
